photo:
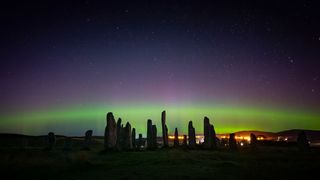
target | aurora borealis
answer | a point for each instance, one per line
(245, 65)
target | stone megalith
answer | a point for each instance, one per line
(127, 139)
(149, 134)
(110, 133)
(253, 141)
(192, 135)
(51, 140)
(164, 129)
(206, 129)
(303, 142)
(133, 136)
(87, 139)
(120, 132)
(232, 142)
(141, 142)
(154, 137)
(213, 138)
(176, 138)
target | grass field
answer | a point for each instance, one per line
(265, 163)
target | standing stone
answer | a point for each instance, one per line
(154, 137)
(253, 141)
(149, 133)
(51, 140)
(232, 142)
(213, 137)
(164, 129)
(184, 143)
(133, 136)
(303, 142)
(119, 134)
(176, 138)
(87, 139)
(192, 135)
(110, 134)
(141, 142)
(206, 129)
(127, 139)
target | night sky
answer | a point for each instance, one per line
(245, 65)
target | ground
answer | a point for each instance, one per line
(264, 163)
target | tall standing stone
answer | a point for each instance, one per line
(232, 142)
(119, 142)
(213, 137)
(127, 139)
(133, 136)
(87, 139)
(176, 138)
(149, 133)
(164, 129)
(154, 137)
(192, 135)
(206, 129)
(110, 133)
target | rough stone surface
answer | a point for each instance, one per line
(110, 135)
(206, 133)
(176, 138)
(133, 136)
(119, 142)
(192, 135)
(213, 137)
(164, 129)
(127, 139)
(149, 133)
(154, 137)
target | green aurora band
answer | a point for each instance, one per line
(74, 120)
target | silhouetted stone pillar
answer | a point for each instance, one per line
(253, 141)
(213, 137)
(154, 137)
(176, 138)
(192, 135)
(110, 134)
(51, 140)
(206, 129)
(133, 136)
(127, 139)
(303, 142)
(184, 143)
(232, 142)
(119, 142)
(149, 133)
(164, 129)
(87, 139)
(141, 142)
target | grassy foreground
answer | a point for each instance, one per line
(266, 163)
